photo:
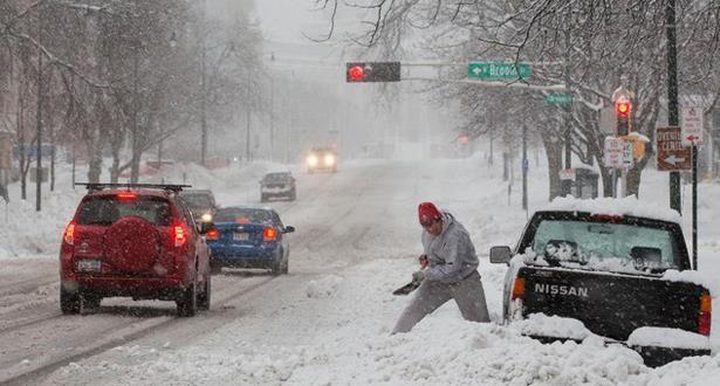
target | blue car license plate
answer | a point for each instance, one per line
(241, 236)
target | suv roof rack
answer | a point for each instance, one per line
(95, 186)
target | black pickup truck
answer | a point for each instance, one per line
(609, 272)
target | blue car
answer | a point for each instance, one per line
(249, 238)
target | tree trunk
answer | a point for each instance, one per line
(607, 181)
(95, 164)
(553, 151)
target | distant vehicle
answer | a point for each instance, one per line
(607, 271)
(135, 241)
(321, 159)
(249, 238)
(278, 184)
(201, 203)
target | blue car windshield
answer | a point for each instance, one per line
(244, 216)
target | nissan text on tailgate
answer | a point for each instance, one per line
(134, 240)
(623, 272)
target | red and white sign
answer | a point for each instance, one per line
(692, 126)
(613, 152)
(567, 174)
(671, 154)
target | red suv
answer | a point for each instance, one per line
(134, 240)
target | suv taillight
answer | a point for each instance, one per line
(69, 235)
(269, 234)
(179, 235)
(705, 316)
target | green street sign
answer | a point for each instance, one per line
(559, 98)
(498, 70)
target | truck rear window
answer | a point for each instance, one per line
(105, 210)
(599, 243)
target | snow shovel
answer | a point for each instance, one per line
(407, 288)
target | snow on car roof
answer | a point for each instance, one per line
(628, 206)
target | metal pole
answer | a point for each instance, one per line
(673, 120)
(247, 122)
(694, 207)
(524, 169)
(567, 184)
(272, 118)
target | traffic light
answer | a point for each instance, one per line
(623, 111)
(373, 72)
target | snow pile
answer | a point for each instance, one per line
(668, 337)
(323, 288)
(696, 277)
(629, 206)
(552, 326)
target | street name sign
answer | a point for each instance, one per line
(692, 126)
(559, 98)
(498, 70)
(672, 156)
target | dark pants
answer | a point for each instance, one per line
(468, 294)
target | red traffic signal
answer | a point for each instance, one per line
(373, 72)
(622, 107)
(356, 74)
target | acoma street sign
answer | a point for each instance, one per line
(499, 70)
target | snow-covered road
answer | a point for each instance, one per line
(328, 321)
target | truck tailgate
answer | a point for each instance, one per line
(611, 304)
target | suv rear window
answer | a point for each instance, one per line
(244, 216)
(105, 210)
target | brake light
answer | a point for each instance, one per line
(705, 317)
(269, 234)
(126, 196)
(69, 236)
(179, 235)
(518, 290)
(212, 234)
(607, 217)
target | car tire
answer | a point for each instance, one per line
(277, 264)
(293, 195)
(89, 302)
(69, 302)
(187, 305)
(204, 297)
(286, 268)
(215, 269)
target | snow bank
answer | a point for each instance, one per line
(323, 288)
(552, 326)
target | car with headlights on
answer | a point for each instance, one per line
(277, 184)
(245, 237)
(322, 159)
(134, 240)
(201, 202)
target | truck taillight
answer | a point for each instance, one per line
(518, 290)
(269, 234)
(516, 298)
(705, 317)
(69, 235)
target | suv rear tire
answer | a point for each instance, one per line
(69, 302)
(204, 297)
(187, 305)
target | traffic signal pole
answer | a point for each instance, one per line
(567, 184)
(672, 95)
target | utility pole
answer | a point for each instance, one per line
(135, 164)
(567, 183)
(247, 121)
(38, 117)
(203, 87)
(672, 95)
(525, 167)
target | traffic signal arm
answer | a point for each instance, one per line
(360, 72)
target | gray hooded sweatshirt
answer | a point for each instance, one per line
(451, 254)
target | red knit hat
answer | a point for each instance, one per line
(427, 212)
